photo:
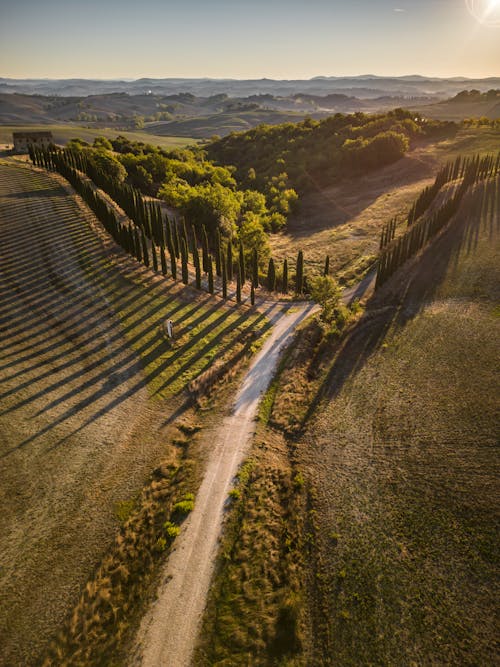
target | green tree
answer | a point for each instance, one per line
(326, 292)
(285, 277)
(299, 275)
(271, 276)
(255, 268)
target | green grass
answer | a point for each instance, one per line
(63, 133)
(204, 330)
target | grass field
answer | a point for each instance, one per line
(345, 221)
(84, 370)
(384, 501)
(63, 133)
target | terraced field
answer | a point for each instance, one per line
(84, 369)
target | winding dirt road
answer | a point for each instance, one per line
(169, 630)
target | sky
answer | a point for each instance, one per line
(240, 39)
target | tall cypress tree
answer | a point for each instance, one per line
(173, 264)
(255, 268)
(205, 250)
(238, 285)
(184, 261)
(145, 251)
(230, 259)
(175, 239)
(299, 276)
(197, 268)
(285, 277)
(218, 252)
(252, 295)
(327, 266)
(210, 272)
(154, 256)
(271, 276)
(242, 264)
(163, 261)
(224, 276)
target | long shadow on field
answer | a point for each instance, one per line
(412, 287)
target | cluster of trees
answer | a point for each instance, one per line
(422, 228)
(315, 153)
(159, 242)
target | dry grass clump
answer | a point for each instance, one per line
(255, 611)
(110, 603)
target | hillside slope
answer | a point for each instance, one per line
(83, 368)
(401, 452)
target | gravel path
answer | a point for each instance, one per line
(169, 630)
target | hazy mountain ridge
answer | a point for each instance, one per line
(371, 85)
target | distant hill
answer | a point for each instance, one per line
(368, 86)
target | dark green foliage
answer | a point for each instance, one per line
(252, 295)
(210, 272)
(255, 268)
(173, 264)
(218, 254)
(241, 263)
(205, 249)
(184, 261)
(154, 257)
(315, 152)
(271, 276)
(163, 261)
(224, 276)
(145, 249)
(229, 259)
(238, 285)
(284, 287)
(299, 275)
(197, 268)
(175, 239)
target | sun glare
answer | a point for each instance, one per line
(486, 12)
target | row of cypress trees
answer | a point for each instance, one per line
(451, 171)
(419, 232)
(151, 236)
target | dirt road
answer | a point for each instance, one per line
(168, 633)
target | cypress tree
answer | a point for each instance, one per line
(230, 259)
(327, 266)
(173, 264)
(218, 252)
(299, 276)
(197, 268)
(204, 242)
(242, 264)
(163, 260)
(255, 268)
(154, 256)
(252, 295)
(271, 276)
(285, 277)
(145, 251)
(224, 276)
(177, 245)
(184, 263)
(238, 285)
(210, 275)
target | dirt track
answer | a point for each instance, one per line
(168, 632)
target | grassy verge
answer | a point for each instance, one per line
(110, 604)
(255, 612)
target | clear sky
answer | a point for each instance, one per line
(284, 39)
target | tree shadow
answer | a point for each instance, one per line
(415, 285)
